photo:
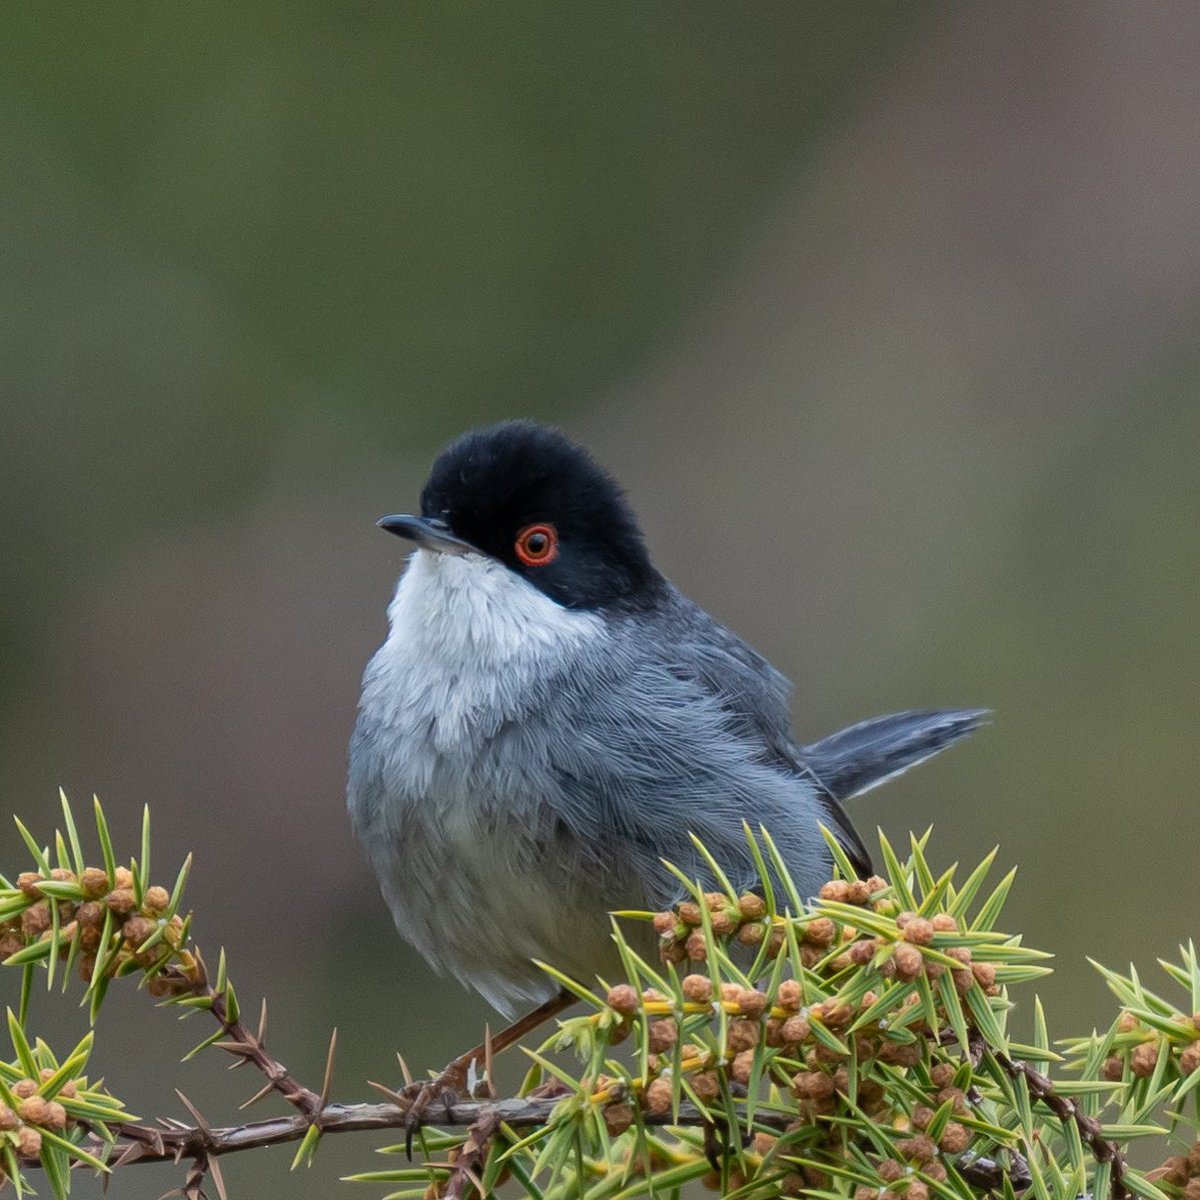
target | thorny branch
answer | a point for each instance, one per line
(1090, 1130)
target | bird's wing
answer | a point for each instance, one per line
(756, 696)
(653, 745)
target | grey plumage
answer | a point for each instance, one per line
(504, 828)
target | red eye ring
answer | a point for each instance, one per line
(537, 545)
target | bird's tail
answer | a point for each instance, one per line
(861, 757)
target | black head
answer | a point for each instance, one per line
(525, 495)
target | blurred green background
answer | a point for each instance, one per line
(885, 313)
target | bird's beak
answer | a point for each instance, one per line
(428, 532)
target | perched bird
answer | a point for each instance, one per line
(549, 719)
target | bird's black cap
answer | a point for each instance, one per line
(531, 498)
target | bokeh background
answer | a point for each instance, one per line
(885, 313)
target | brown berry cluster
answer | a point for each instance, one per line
(907, 963)
(22, 1126)
(681, 935)
(1139, 1047)
(1181, 1173)
(82, 920)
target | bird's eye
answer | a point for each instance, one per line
(537, 545)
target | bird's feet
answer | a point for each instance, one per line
(444, 1089)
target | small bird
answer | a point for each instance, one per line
(549, 718)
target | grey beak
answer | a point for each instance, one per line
(428, 532)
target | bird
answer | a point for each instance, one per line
(549, 719)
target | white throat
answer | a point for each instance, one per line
(466, 638)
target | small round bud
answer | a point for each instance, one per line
(751, 906)
(723, 924)
(752, 933)
(835, 889)
(1126, 1022)
(62, 875)
(742, 1066)
(891, 1170)
(776, 942)
(1143, 1060)
(29, 1143)
(790, 994)
(689, 913)
(742, 1035)
(137, 929)
(673, 952)
(1191, 1189)
(123, 877)
(34, 1110)
(8, 1119)
(942, 1074)
(653, 996)
(696, 947)
(1113, 1069)
(618, 1118)
(908, 961)
(121, 902)
(903, 918)
(665, 923)
(985, 974)
(953, 1096)
(28, 882)
(919, 931)
(921, 1116)
(706, 1085)
(862, 1192)
(858, 892)
(838, 1014)
(955, 1138)
(813, 1085)
(917, 1189)
(623, 999)
(94, 882)
(662, 1036)
(862, 952)
(944, 923)
(56, 1116)
(918, 1149)
(820, 932)
(900, 1054)
(657, 1096)
(156, 899)
(68, 1089)
(698, 989)
(35, 920)
(1189, 1058)
(24, 1088)
(752, 1002)
(763, 1143)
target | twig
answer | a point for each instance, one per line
(249, 1047)
(174, 1143)
(1065, 1109)
(468, 1166)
